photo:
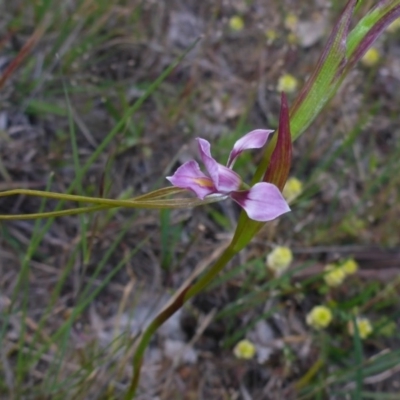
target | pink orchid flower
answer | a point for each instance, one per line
(262, 202)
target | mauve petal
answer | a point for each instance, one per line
(210, 164)
(263, 202)
(228, 180)
(253, 140)
(189, 176)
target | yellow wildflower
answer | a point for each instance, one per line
(319, 317)
(291, 22)
(394, 26)
(287, 83)
(292, 189)
(244, 349)
(271, 35)
(279, 259)
(292, 38)
(364, 327)
(349, 267)
(334, 275)
(371, 57)
(236, 23)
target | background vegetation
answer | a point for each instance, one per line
(94, 102)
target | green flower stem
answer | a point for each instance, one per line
(187, 293)
(207, 278)
(245, 231)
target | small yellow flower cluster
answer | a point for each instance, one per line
(371, 57)
(394, 26)
(319, 317)
(244, 349)
(292, 189)
(287, 83)
(236, 23)
(292, 38)
(271, 35)
(291, 22)
(279, 259)
(350, 267)
(336, 274)
(364, 327)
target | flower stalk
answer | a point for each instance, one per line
(185, 294)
